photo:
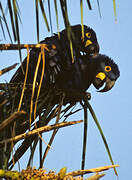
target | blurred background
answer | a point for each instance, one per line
(113, 108)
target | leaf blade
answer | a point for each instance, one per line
(37, 19)
(114, 5)
(101, 132)
(5, 21)
(44, 14)
(12, 19)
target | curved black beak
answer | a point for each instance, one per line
(108, 85)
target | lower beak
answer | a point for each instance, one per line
(108, 85)
(92, 49)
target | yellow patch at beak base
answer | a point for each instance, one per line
(101, 76)
(88, 42)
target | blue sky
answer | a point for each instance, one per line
(113, 108)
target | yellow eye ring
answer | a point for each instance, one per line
(88, 35)
(107, 68)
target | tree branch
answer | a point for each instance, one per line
(22, 46)
(40, 130)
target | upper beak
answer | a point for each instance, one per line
(88, 42)
(108, 85)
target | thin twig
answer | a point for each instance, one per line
(7, 121)
(3, 71)
(40, 130)
(22, 46)
(33, 89)
(23, 89)
(84, 136)
(100, 130)
(3, 102)
(55, 131)
(40, 83)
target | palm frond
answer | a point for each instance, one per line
(44, 14)
(5, 21)
(84, 136)
(15, 11)
(50, 16)
(37, 116)
(56, 13)
(2, 28)
(89, 5)
(99, 8)
(12, 19)
(37, 19)
(101, 132)
(114, 5)
(81, 8)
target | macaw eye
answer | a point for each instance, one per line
(88, 35)
(107, 68)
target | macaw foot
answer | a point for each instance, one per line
(88, 95)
